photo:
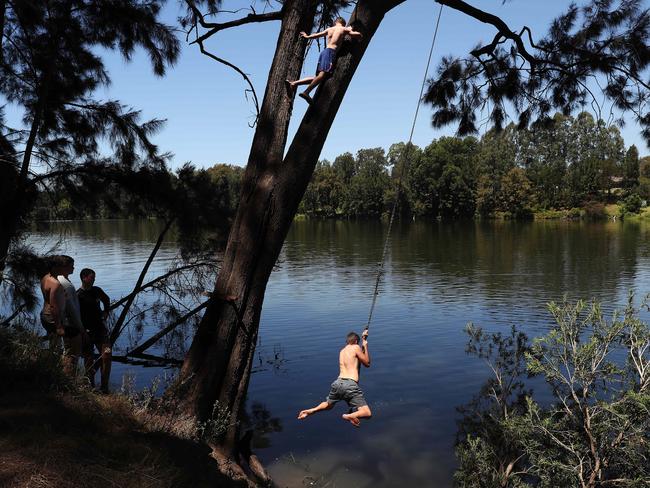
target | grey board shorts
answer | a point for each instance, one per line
(348, 390)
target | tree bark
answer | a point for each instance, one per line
(218, 364)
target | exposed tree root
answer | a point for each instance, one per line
(248, 472)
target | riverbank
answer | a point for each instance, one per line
(56, 433)
(595, 211)
(592, 212)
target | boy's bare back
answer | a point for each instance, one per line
(349, 362)
(335, 35)
(52, 291)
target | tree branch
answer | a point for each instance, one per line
(250, 18)
(244, 75)
(488, 18)
(156, 280)
(6, 321)
(38, 178)
(120, 324)
(156, 337)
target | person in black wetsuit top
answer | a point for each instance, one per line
(93, 317)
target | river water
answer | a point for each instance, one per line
(439, 277)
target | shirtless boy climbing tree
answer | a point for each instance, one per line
(346, 386)
(327, 59)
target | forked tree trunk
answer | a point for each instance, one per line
(218, 364)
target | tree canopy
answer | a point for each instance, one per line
(49, 67)
(600, 49)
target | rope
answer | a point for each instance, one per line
(380, 271)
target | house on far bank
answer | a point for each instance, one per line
(616, 180)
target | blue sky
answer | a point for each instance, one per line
(208, 115)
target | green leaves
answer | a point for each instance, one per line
(533, 76)
(49, 66)
(594, 432)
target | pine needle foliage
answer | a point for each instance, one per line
(594, 432)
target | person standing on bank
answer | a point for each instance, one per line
(346, 386)
(94, 318)
(72, 311)
(54, 317)
(327, 59)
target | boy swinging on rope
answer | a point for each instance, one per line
(327, 59)
(346, 386)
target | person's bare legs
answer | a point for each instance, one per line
(321, 406)
(291, 85)
(314, 83)
(303, 81)
(71, 353)
(107, 359)
(89, 362)
(355, 417)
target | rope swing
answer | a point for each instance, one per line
(380, 270)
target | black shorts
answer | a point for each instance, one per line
(98, 337)
(348, 390)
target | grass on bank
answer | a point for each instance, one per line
(54, 433)
(644, 214)
(593, 211)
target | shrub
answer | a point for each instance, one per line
(26, 363)
(632, 204)
(644, 188)
(597, 426)
(574, 213)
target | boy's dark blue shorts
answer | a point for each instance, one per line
(326, 61)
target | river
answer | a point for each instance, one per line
(438, 277)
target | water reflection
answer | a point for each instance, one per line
(259, 419)
(491, 258)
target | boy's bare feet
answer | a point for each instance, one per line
(306, 96)
(303, 414)
(353, 420)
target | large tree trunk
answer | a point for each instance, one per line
(218, 364)
(16, 200)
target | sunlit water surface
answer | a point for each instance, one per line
(439, 277)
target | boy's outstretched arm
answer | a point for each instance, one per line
(354, 34)
(313, 36)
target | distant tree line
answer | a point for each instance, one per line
(123, 195)
(567, 163)
(564, 163)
